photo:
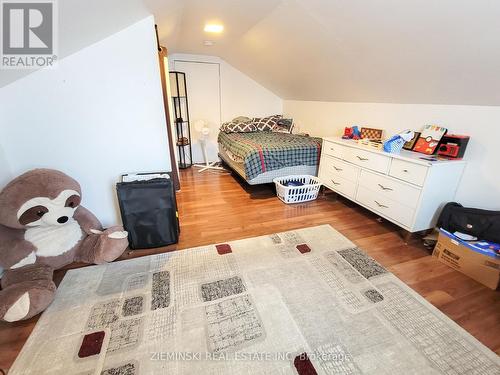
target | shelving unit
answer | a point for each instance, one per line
(181, 119)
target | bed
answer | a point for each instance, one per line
(259, 157)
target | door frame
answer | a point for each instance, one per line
(162, 54)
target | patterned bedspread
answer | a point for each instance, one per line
(266, 151)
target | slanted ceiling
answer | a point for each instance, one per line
(85, 22)
(398, 51)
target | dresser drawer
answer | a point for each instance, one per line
(410, 172)
(370, 160)
(341, 185)
(336, 168)
(387, 187)
(334, 149)
(385, 206)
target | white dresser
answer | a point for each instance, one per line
(403, 188)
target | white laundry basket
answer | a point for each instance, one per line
(297, 194)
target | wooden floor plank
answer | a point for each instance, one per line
(216, 207)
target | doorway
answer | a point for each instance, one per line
(203, 90)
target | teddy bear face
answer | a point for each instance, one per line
(43, 211)
(41, 197)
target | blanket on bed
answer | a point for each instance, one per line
(267, 151)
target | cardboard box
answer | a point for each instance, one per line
(482, 265)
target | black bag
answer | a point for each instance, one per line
(483, 224)
(149, 212)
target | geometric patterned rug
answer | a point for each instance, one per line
(303, 302)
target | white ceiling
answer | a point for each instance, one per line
(400, 51)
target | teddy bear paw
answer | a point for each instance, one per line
(118, 235)
(19, 309)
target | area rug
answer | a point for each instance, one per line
(301, 302)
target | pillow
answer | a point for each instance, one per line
(238, 127)
(241, 119)
(284, 125)
(266, 123)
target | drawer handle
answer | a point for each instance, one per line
(385, 188)
(406, 171)
(381, 205)
(332, 149)
(336, 183)
(337, 169)
(361, 159)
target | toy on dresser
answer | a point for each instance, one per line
(453, 146)
(396, 142)
(429, 139)
(371, 143)
(432, 139)
(372, 134)
(351, 133)
(367, 137)
(355, 133)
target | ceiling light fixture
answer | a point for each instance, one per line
(213, 28)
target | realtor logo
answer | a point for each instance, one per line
(28, 34)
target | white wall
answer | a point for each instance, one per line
(242, 96)
(5, 171)
(239, 95)
(480, 185)
(97, 115)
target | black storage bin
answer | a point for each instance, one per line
(149, 212)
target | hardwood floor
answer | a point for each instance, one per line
(216, 207)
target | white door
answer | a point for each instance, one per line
(203, 92)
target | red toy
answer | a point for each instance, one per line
(453, 146)
(352, 133)
(429, 139)
(347, 133)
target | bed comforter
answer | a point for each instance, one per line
(266, 151)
